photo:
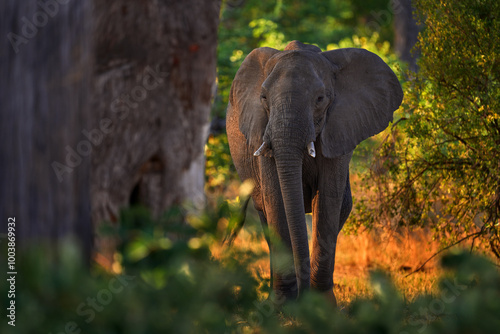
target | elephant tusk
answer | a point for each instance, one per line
(259, 151)
(311, 150)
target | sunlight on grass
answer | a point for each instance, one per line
(357, 255)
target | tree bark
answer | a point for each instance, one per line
(44, 88)
(405, 32)
(154, 76)
(119, 90)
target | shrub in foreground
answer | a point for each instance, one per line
(168, 282)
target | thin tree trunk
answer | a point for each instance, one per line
(44, 167)
(405, 32)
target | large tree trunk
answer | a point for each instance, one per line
(45, 59)
(155, 73)
(151, 66)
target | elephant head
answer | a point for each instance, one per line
(289, 100)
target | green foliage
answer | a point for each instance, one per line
(168, 282)
(441, 164)
(375, 44)
(219, 171)
(246, 25)
(467, 301)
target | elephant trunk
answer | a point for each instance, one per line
(289, 145)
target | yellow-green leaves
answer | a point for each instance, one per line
(443, 164)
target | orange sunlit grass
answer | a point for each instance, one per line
(398, 253)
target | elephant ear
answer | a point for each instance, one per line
(245, 96)
(367, 92)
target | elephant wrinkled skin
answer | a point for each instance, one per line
(280, 103)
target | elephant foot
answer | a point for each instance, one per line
(330, 296)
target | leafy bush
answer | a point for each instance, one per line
(166, 281)
(440, 164)
(219, 171)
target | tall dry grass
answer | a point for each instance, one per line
(397, 253)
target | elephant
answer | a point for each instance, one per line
(293, 120)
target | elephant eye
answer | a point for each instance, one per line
(263, 96)
(320, 99)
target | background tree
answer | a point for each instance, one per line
(441, 164)
(44, 92)
(154, 80)
(130, 85)
(405, 32)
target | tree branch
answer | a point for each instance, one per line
(443, 249)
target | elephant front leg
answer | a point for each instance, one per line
(331, 207)
(326, 213)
